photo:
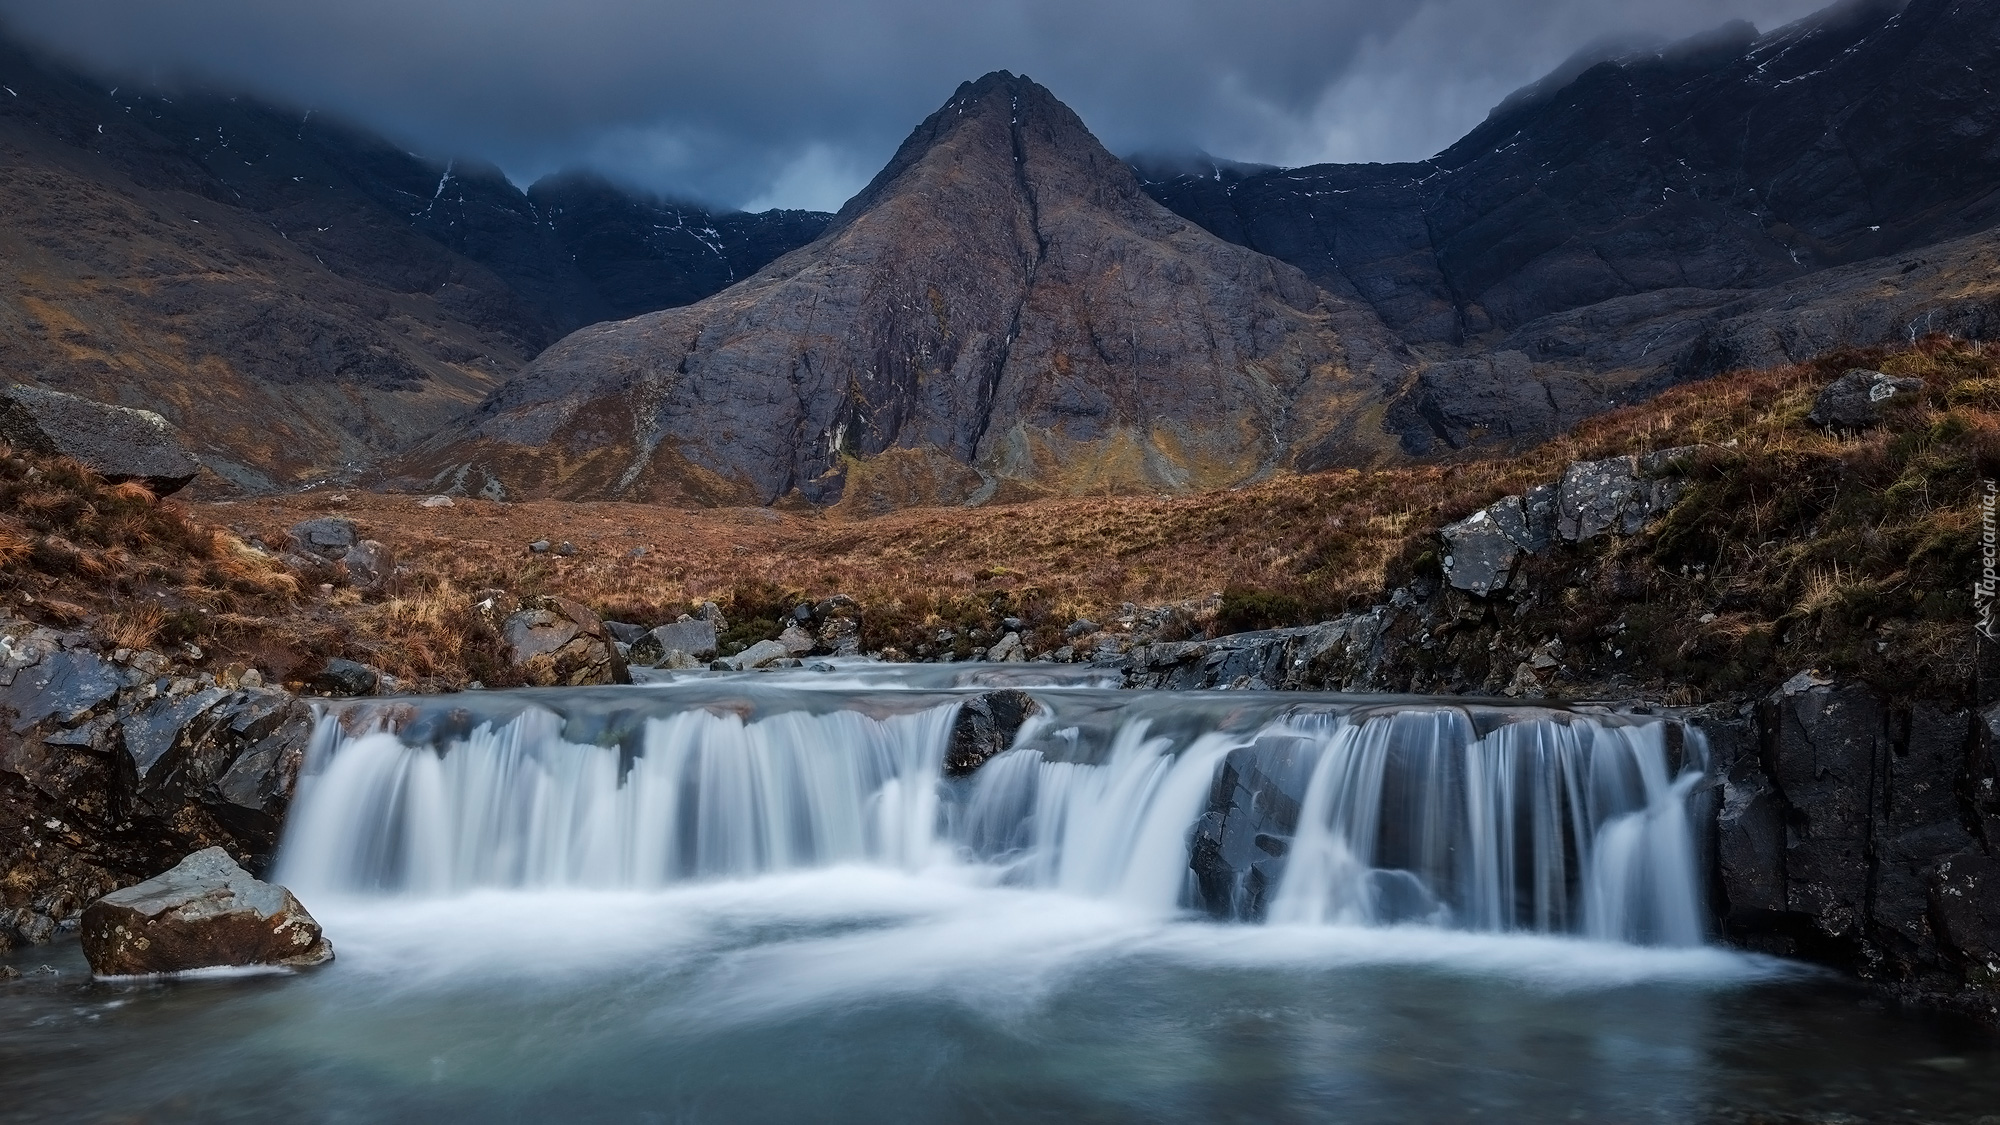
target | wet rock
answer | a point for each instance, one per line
(345, 677)
(1242, 839)
(327, 538)
(558, 642)
(1479, 554)
(118, 442)
(206, 912)
(986, 726)
(1856, 400)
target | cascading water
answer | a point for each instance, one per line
(1293, 811)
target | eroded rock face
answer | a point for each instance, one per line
(120, 443)
(206, 912)
(1845, 835)
(130, 767)
(1002, 310)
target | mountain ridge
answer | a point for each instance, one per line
(1002, 311)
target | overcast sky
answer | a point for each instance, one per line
(793, 103)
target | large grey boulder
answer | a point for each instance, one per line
(327, 538)
(558, 642)
(204, 913)
(1855, 400)
(692, 635)
(118, 442)
(1479, 554)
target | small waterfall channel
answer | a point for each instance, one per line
(1290, 809)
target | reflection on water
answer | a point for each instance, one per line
(864, 995)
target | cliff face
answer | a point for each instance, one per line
(1603, 236)
(1001, 312)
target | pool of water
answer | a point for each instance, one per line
(868, 994)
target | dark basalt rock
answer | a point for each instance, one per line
(1855, 401)
(118, 442)
(986, 725)
(345, 677)
(554, 641)
(206, 912)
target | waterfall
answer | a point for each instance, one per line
(1318, 813)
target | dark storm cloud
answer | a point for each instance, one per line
(792, 102)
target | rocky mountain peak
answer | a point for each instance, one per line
(1002, 311)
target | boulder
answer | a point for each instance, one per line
(439, 501)
(118, 442)
(839, 626)
(1855, 401)
(692, 635)
(204, 913)
(1007, 649)
(986, 726)
(1479, 555)
(625, 632)
(796, 640)
(368, 564)
(345, 677)
(327, 538)
(759, 655)
(1617, 494)
(557, 642)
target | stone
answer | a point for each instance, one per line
(1007, 649)
(1082, 627)
(117, 442)
(839, 631)
(693, 635)
(1856, 400)
(986, 725)
(1593, 496)
(539, 547)
(435, 502)
(1479, 556)
(625, 632)
(796, 640)
(368, 564)
(565, 548)
(327, 538)
(64, 685)
(345, 677)
(760, 655)
(558, 642)
(206, 912)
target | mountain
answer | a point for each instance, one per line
(1001, 312)
(1650, 216)
(295, 293)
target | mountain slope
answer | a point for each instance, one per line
(1001, 312)
(220, 260)
(1727, 162)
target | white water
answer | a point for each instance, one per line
(1556, 824)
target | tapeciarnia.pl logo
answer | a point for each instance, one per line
(1985, 590)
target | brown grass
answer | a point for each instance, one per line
(1805, 546)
